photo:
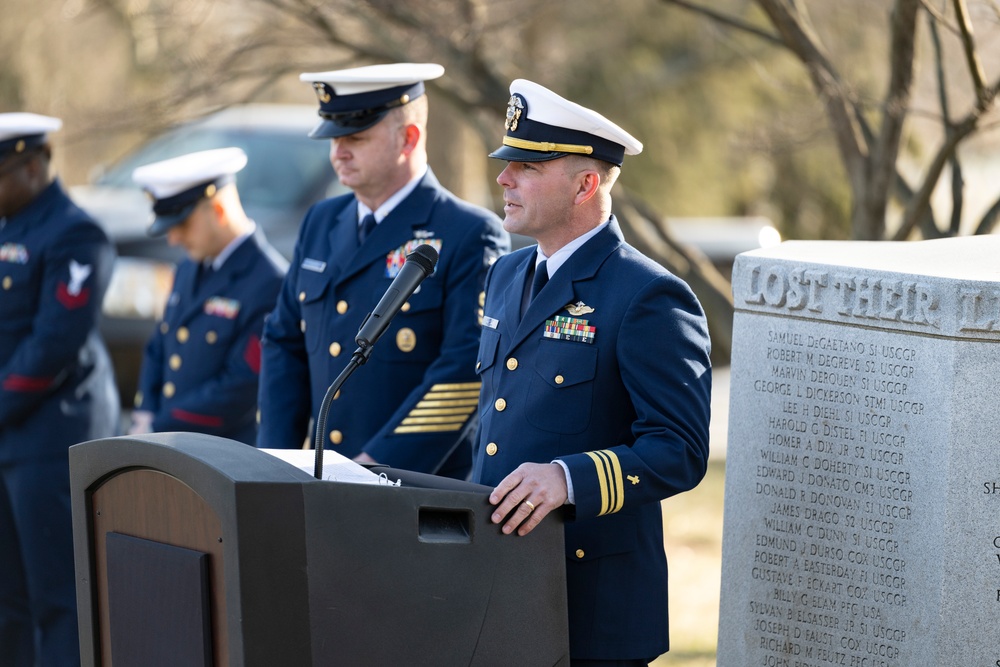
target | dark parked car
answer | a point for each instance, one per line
(286, 173)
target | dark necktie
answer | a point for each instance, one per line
(365, 228)
(204, 273)
(537, 283)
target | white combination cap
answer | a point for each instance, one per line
(178, 184)
(20, 131)
(352, 100)
(541, 125)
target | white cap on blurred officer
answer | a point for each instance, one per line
(195, 201)
(24, 158)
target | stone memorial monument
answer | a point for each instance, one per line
(862, 501)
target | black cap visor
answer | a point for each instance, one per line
(163, 222)
(341, 125)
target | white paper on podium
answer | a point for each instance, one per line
(336, 467)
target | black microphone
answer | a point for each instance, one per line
(418, 265)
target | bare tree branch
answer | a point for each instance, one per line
(939, 17)
(957, 177)
(957, 195)
(837, 99)
(922, 197)
(727, 20)
(989, 221)
(955, 132)
(969, 48)
(882, 165)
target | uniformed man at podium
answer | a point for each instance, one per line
(596, 377)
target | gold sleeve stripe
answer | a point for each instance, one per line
(435, 395)
(465, 402)
(446, 407)
(609, 480)
(443, 419)
(602, 483)
(459, 386)
(429, 428)
(420, 412)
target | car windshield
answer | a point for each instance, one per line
(282, 169)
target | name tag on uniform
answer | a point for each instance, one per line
(490, 322)
(315, 265)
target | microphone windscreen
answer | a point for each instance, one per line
(425, 256)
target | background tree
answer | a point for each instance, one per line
(868, 131)
(778, 108)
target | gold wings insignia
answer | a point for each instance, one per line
(579, 308)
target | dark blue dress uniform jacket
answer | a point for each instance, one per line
(609, 372)
(56, 382)
(56, 389)
(202, 364)
(413, 404)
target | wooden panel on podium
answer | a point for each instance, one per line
(155, 506)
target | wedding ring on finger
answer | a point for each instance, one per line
(531, 506)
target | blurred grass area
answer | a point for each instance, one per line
(692, 524)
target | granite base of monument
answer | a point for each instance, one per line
(862, 501)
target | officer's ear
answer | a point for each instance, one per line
(220, 210)
(412, 138)
(588, 182)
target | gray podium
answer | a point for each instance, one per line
(194, 550)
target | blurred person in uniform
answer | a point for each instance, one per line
(413, 404)
(56, 389)
(202, 364)
(595, 378)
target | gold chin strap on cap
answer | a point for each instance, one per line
(546, 146)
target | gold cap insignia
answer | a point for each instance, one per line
(579, 308)
(19, 146)
(515, 107)
(321, 92)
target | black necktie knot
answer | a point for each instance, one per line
(365, 227)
